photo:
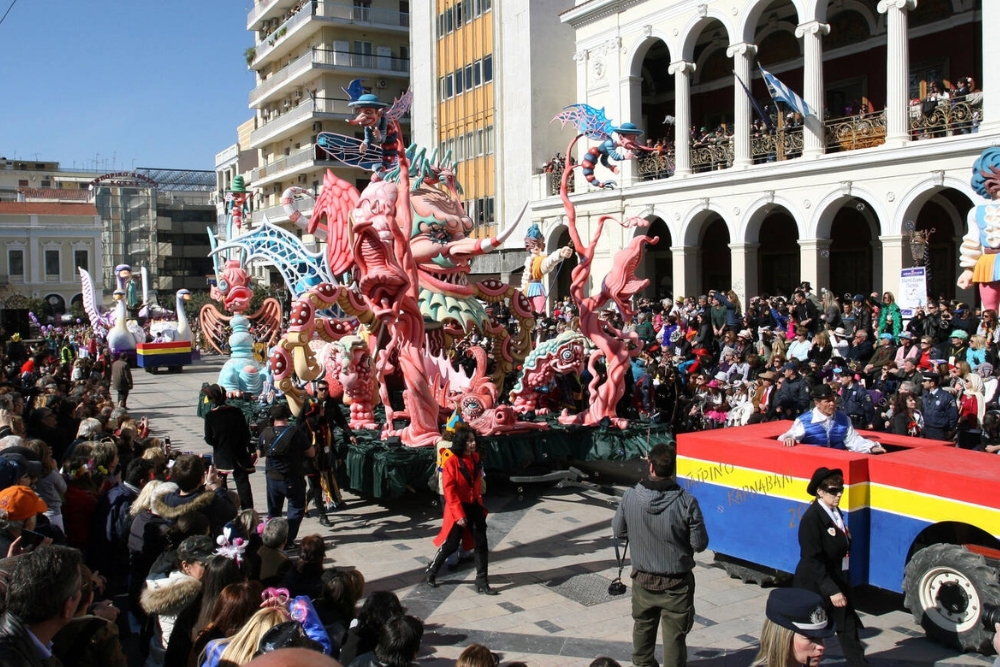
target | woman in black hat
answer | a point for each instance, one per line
(795, 630)
(824, 556)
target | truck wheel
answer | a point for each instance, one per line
(946, 586)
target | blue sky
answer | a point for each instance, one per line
(144, 83)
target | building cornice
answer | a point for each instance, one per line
(595, 10)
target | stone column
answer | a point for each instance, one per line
(897, 97)
(687, 277)
(631, 94)
(741, 54)
(682, 70)
(990, 50)
(814, 135)
(815, 261)
(744, 260)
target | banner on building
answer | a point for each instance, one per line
(912, 292)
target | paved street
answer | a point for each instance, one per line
(552, 561)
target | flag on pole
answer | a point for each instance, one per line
(756, 105)
(782, 93)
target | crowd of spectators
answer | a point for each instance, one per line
(709, 362)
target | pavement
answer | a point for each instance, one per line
(551, 558)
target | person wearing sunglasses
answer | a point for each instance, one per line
(824, 559)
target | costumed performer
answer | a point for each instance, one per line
(464, 512)
(981, 244)
(537, 266)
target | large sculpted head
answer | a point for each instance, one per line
(383, 281)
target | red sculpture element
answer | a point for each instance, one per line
(619, 286)
(478, 404)
(562, 355)
(389, 285)
(348, 364)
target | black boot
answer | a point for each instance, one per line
(431, 577)
(323, 521)
(482, 573)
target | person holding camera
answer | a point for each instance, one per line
(227, 433)
(665, 527)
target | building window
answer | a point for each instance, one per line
(81, 258)
(479, 142)
(449, 21)
(488, 140)
(459, 87)
(488, 68)
(449, 89)
(477, 73)
(460, 149)
(487, 5)
(489, 210)
(468, 77)
(458, 15)
(15, 262)
(51, 263)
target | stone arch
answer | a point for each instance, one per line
(559, 281)
(827, 208)
(923, 191)
(77, 299)
(756, 212)
(693, 225)
(657, 260)
(694, 28)
(652, 98)
(641, 45)
(772, 32)
(752, 15)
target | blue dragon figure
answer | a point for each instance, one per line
(617, 143)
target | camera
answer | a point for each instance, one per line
(207, 458)
(990, 616)
(618, 588)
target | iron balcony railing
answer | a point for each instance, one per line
(946, 118)
(370, 61)
(367, 15)
(783, 144)
(855, 132)
(653, 166)
(716, 155)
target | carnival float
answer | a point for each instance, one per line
(387, 313)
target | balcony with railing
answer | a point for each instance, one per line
(365, 16)
(652, 166)
(375, 63)
(262, 7)
(855, 132)
(277, 123)
(273, 83)
(946, 118)
(274, 42)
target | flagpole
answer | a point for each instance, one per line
(779, 148)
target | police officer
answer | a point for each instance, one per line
(856, 403)
(939, 409)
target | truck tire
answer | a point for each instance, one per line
(945, 586)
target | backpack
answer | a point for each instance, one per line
(273, 451)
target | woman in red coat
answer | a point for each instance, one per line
(464, 513)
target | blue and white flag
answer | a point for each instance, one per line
(782, 93)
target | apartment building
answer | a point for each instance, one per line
(832, 197)
(487, 78)
(305, 53)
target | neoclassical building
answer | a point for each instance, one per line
(829, 198)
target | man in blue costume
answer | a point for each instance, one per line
(826, 426)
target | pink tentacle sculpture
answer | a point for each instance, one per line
(619, 285)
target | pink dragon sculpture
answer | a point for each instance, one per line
(619, 285)
(478, 404)
(562, 355)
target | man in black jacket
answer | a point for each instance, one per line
(806, 313)
(792, 398)
(286, 448)
(227, 433)
(44, 592)
(665, 527)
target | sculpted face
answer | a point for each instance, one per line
(367, 117)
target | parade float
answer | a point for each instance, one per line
(380, 313)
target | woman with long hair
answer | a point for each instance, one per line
(795, 630)
(831, 311)
(241, 648)
(362, 637)
(972, 409)
(890, 318)
(234, 607)
(906, 418)
(219, 573)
